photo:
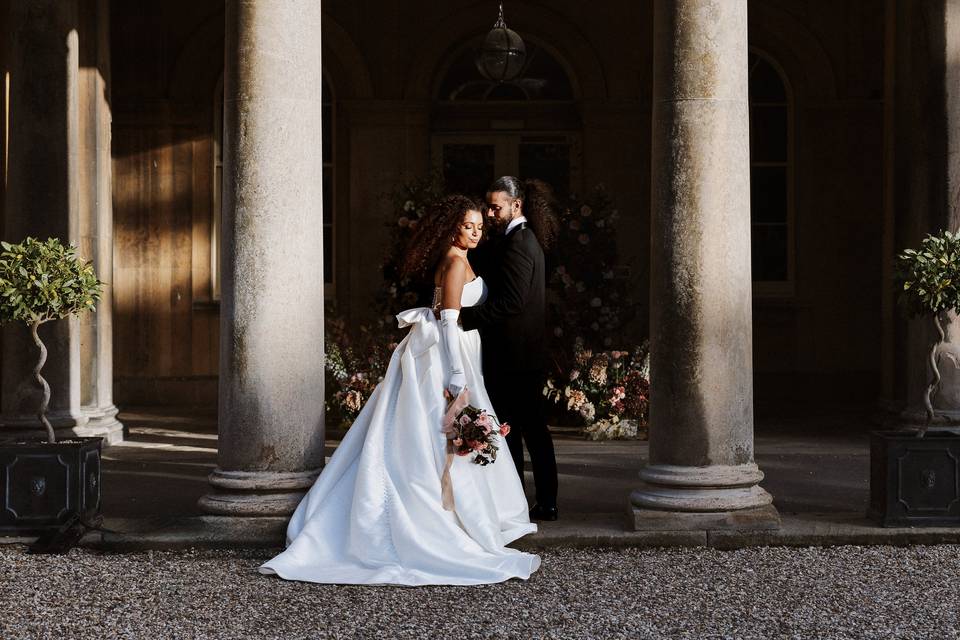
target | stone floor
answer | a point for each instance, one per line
(816, 466)
(812, 464)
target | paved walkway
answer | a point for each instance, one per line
(816, 468)
(811, 465)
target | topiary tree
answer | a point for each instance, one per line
(929, 282)
(44, 281)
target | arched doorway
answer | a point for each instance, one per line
(529, 127)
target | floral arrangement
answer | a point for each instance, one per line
(472, 430)
(608, 391)
(588, 302)
(355, 365)
(409, 203)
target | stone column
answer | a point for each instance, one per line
(42, 200)
(96, 219)
(271, 424)
(701, 473)
(922, 191)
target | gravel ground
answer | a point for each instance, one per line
(840, 592)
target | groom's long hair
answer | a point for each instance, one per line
(434, 235)
(539, 205)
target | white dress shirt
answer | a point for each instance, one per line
(513, 223)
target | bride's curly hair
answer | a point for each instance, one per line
(539, 205)
(434, 234)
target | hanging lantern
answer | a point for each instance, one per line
(502, 54)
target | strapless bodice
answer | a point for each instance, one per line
(474, 293)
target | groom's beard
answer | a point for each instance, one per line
(498, 226)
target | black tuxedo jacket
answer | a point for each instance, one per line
(511, 320)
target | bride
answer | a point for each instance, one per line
(376, 513)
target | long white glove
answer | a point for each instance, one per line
(449, 331)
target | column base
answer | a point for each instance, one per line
(102, 422)
(257, 493)
(765, 517)
(675, 497)
(66, 424)
(915, 417)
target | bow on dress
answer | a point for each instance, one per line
(425, 330)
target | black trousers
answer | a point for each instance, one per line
(517, 399)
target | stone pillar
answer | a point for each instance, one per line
(96, 219)
(271, 424)
(922, 191)
(42, 200)
(701, 473)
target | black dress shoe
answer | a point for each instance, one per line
(543, 513)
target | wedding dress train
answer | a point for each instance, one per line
(375, 514)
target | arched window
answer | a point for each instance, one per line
(327, 106)
(542, 78)
(482, 129)
(771, 177)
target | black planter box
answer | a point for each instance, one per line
(914, 482)
(43, 485)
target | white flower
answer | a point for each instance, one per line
(586, 211)
(601, 224)
(596, 302)
(608, 274)
(581, 287)
(408, 205)
(588, 411)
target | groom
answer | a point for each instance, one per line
(512, 323)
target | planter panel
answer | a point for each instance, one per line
(914, 481)
(43, 485)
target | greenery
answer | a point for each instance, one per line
(588, 295)
(41, 282)
(929, 278)
(929, 283)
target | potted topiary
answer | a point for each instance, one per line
(45, 484)
(915, 472)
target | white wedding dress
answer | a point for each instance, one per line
(375, 514)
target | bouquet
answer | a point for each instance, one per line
(472, 430)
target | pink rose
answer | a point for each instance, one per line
(504, 429)
(464, 420)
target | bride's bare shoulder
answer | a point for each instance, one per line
(453, 264)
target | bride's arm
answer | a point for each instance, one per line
(453, 278)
